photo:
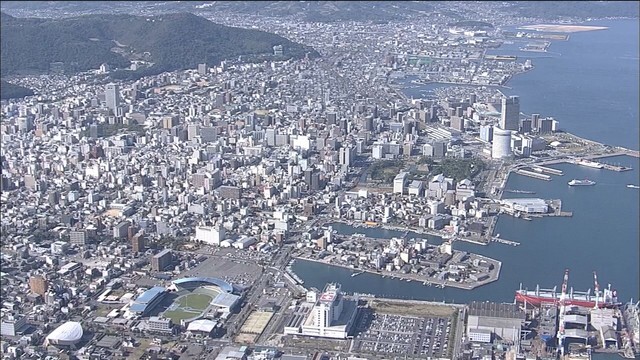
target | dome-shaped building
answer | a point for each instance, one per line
(67, 334)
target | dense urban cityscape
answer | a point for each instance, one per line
(159, 217)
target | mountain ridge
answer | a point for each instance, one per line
(174, 42)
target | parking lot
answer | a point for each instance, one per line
(417, 337)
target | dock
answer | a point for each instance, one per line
(534, 175)
(506, 242)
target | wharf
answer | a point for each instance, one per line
(534, 175)
(548, 170)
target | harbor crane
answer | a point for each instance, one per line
(561, 303)
(597, 288)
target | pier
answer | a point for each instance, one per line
(506, 242)
(534, 175)
(548, 170)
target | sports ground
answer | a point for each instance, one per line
(191, 304)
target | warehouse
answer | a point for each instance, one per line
(504, 321)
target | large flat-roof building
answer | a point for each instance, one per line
(526, 205)
(504, 321)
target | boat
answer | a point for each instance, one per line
(631, 186)
(585, 182)
(357, 273)
(607, 299)
(591, 164)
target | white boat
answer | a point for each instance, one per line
(585, 182)
(631, 186)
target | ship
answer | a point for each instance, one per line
(591, 164)
(585, 182)
(631, 186)
(537, 297)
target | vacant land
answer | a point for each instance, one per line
(411, 309)
(562, 28)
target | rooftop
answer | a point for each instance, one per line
(491, 309)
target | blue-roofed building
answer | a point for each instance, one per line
(148, 300)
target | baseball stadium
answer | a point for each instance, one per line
(194, 297)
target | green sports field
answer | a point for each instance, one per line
(188, 306)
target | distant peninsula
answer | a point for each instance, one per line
(161, 43)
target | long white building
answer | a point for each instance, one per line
(331, 315)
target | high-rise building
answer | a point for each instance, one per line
(525, 126)
(38, 285)
(486, 133)
(137, 244)
(399, 183)
(346, 155)
(457, 122)
(535, 121)
(112, 97)
(161, 260)
(510, 113)
(202, 69)
(545, 125)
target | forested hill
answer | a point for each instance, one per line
(171, 42)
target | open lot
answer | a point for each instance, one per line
(424, 336)
(256, 322)
(388, 307)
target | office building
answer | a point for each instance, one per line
(346, 155)
(112, 97)
(510, 113)
(210, 235)
(12, 325)
(399, 182)
(435, 149)
(161, 260)
(159, 324)
(457, 122)
(78, 237)
(486, 133)
(501, 147)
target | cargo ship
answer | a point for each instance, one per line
(537, 297)
(585, 182)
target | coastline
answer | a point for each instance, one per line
(494, 275)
